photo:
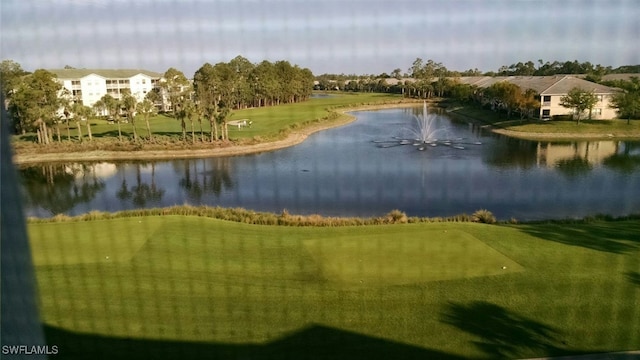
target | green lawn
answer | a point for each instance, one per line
(267, 121)
(608, 127)
(596, 128)
(191, 287)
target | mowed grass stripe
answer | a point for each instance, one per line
(90, 242)
(413, 256)
(227, 250)
(205, 280)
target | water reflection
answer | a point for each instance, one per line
(568, 157)
(590, 152)
(141, 193)
(512, 153)
(59, 188)
(340, 172)
(626, 159)
(204, 176)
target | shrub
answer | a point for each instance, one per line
(562, 118)
(483, 216)
(60, 218)
(396, 216)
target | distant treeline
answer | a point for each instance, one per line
(527, 68)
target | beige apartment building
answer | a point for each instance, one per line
(551, 89)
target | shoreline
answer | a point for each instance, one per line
(294, 138)
(561, 136)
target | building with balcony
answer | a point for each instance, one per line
(87, 86)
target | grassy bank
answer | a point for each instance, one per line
(268, 124)
(556, 129)
(185, 286)
(268, 218)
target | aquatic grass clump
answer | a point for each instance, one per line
(284, 218)
(241, 215)
(483, 216)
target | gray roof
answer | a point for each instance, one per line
(106, 73)
(394, 81)
(543, 85)
(479, 81)
(569, 82)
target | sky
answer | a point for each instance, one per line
(326, 36)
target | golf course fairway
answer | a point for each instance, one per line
(185, 286)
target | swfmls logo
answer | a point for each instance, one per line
(29, 350)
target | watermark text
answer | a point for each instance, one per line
(30, 349)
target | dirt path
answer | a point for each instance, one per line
(294, 138)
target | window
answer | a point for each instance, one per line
(75, 82)
(546, 113)
(597, 112)
(600, 98)
(144, 81)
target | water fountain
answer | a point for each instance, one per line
(426, 133)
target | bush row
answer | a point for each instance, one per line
(267, 218)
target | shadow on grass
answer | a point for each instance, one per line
(314, 342)
(502, 333)
(110, 134)
(618, 237)
(634, 277)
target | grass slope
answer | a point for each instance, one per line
(193, 287)
(556, 129)
(267, 121)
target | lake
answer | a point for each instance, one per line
(345, 172)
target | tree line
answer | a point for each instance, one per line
(594, 71)
(37, 103)
(526, 68)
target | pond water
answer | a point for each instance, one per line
(345, 172)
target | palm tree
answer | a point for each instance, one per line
(129, 103)
(190, 111)
(112, 105)
(147, 109)
(67, 103)
(82, 113)
(77, 110)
